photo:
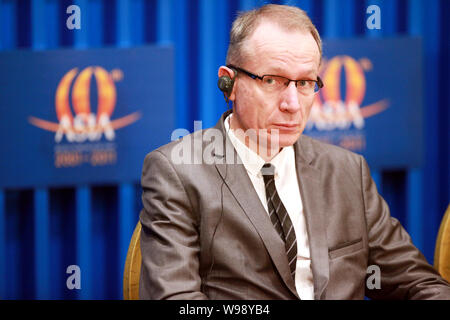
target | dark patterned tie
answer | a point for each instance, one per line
(279, 216)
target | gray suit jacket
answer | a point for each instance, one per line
(348, 224)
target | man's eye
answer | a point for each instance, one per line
(270, 81)
(302, 83)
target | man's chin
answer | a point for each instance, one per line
(278, 140)
(287, 140)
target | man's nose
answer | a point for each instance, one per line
(290, 100)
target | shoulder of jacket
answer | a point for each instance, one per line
(323, 150)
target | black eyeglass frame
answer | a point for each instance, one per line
(254, 77)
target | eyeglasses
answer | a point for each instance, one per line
(273, 83)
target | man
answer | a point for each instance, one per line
(281, 216)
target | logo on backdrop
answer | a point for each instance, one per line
(340, 120)
(84, 136)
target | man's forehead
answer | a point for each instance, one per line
(276, 46)
(269, 33)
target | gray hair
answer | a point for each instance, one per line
(287, 17)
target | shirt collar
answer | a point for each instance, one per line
(250, 159)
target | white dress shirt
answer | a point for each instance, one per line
(287, 186)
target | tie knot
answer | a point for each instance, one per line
(268, 169)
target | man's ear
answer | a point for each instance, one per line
(225, 71)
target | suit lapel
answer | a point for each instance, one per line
(240, 185)
(311, 188)
(243, 191)
(310, 184)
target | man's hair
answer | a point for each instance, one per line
(287, 17)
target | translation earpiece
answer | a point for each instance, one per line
(225, 84)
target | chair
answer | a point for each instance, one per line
(133, 263)
(442, 250)
(134, 258)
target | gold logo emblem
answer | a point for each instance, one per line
(84, 124)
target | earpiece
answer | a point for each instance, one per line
(225, 84)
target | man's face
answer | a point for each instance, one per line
(272, 50)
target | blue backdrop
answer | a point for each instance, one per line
(88, 116)
(43, 230)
